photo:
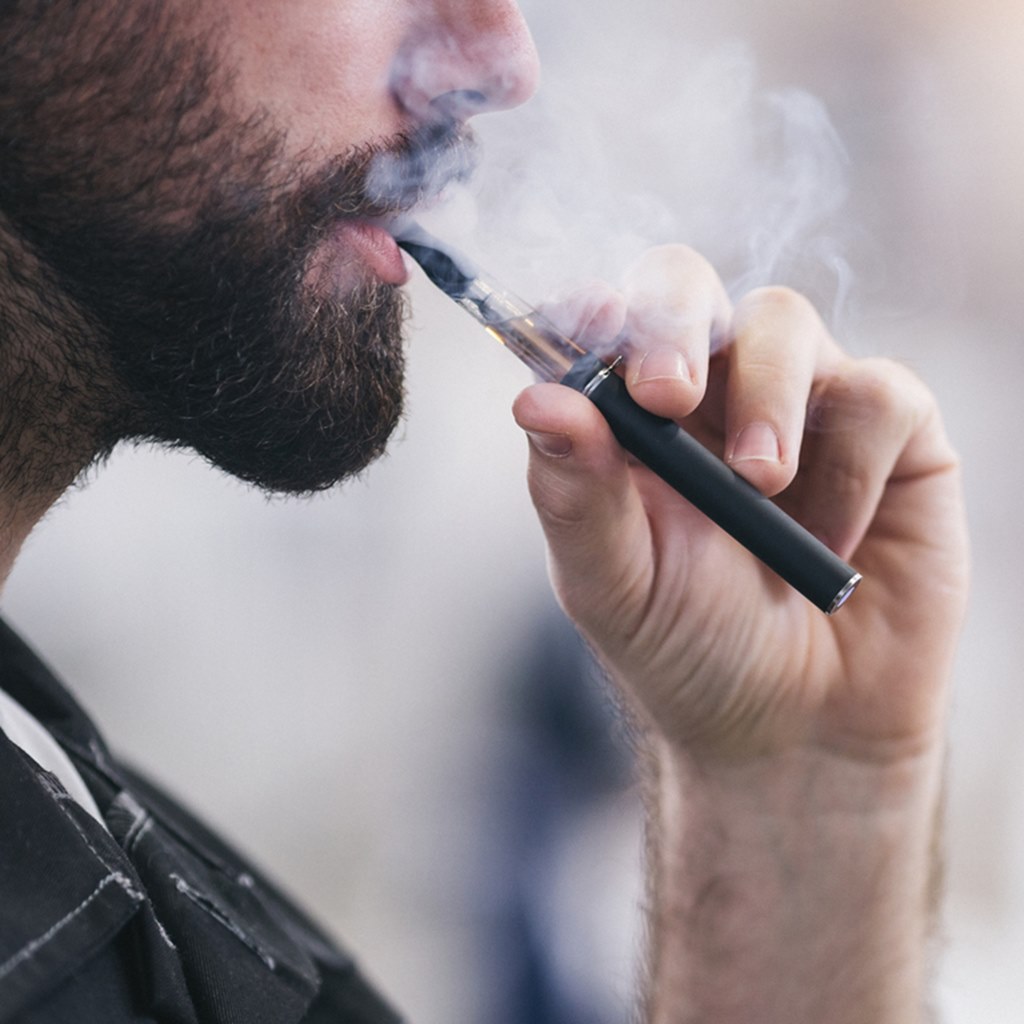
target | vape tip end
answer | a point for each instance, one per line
(841, 598)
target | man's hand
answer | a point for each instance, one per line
(789, 735)
(721, 656)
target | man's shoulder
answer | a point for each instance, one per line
(155, 898)
(65, 889)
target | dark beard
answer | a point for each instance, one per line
(185, 241)
(216, 344)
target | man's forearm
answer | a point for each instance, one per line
(798, 889)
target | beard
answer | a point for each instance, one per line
(191, 248)
(216, 342)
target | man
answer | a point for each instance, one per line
(195, 251)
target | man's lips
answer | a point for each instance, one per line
(372, 245)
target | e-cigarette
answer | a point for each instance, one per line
(702, 478)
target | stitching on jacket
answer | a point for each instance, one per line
(59, 796)
(123, 878)
(31, 948)
(203, 901)
(141, 819)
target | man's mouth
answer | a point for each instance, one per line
(371, 243)
(399, 182)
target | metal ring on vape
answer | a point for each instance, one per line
(840, 599)
(600, 377)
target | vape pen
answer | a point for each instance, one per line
(686, 465)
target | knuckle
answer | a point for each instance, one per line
(561, 508)
(776, 301)
(779, 319)
(677, 282)
(887, 387)
(672, 261)
(871, 391)
(847, 482)
(763, 373)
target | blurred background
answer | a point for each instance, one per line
(373, 693)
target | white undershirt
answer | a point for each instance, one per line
(25, 731)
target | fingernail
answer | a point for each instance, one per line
(662, 364)
(554, 446)
(756, 442)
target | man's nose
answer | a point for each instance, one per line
(472, 57)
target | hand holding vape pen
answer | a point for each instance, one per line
(662, 445)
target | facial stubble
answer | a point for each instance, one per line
(185, 241)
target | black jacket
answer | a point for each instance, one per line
(156, 920)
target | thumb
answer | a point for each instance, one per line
(598, 535)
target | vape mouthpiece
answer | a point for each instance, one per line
(449, 272)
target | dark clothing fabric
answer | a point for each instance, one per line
(156, 920)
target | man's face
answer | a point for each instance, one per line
(198, 177)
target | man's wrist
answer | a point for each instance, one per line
(797, 887)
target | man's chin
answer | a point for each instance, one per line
(306, 398)
(302, 464)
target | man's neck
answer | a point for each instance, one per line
(55, 410)
(16, 523)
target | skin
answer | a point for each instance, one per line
(198, 179)
(343, 73)
(794, 761)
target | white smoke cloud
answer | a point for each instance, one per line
(615, 155)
